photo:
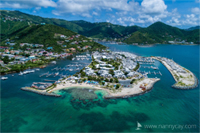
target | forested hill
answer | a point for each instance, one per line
(95, 30)
(50, 36)
(162, 33)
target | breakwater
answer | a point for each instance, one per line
(194, 85)
(41, 93)
(196, 82)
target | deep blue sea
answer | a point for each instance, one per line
(163, 109)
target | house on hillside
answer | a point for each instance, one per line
(11, 44)
(1, 63)
(66, 50)
(2, 47)
(49, 48)
(62, 36)
(73, 49)
(6, 51)
(60, 42)
(21, 44)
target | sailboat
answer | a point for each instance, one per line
(138, 126)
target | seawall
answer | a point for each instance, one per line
(41, 93)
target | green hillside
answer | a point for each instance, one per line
(162, 33)
(96, 30)
(45, 34)
(105, 29)
(155, 33)
(38, 20)
(193, 28)
(11, 27)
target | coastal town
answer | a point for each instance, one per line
(18, 56)
(114, 72)
(118, 73)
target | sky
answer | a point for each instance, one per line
(178, 13)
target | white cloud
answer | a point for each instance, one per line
(95, 13)
(87, 6)
(121, 21)
(153, 6)
(24, 4)
(191, 19)
(86, 15)
(37, 8)
(174, 21)
(197, 1)
(195, 10)
(188, 20)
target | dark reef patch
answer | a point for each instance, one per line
(116, 122)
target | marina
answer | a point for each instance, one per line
(170, 105)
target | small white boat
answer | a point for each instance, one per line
(56, 73)
(21, 73)
(31, 71)
(25, 72)
(53, 62)
(70, 69)
(4, 78)
(37, 69)
(160, 73)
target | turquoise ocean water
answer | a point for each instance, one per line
(162, 109)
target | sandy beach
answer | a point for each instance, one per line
(123, 92)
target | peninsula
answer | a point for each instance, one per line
(114, 72)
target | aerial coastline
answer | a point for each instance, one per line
(113, 72)
(117, 74)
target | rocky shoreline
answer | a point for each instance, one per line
(132, 95)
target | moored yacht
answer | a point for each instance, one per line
(21, 73)
(4, 78)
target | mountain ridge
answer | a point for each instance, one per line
(160, 32)
(104, 30)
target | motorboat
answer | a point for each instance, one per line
(56, 73)
(4, 78)
(21, 73)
